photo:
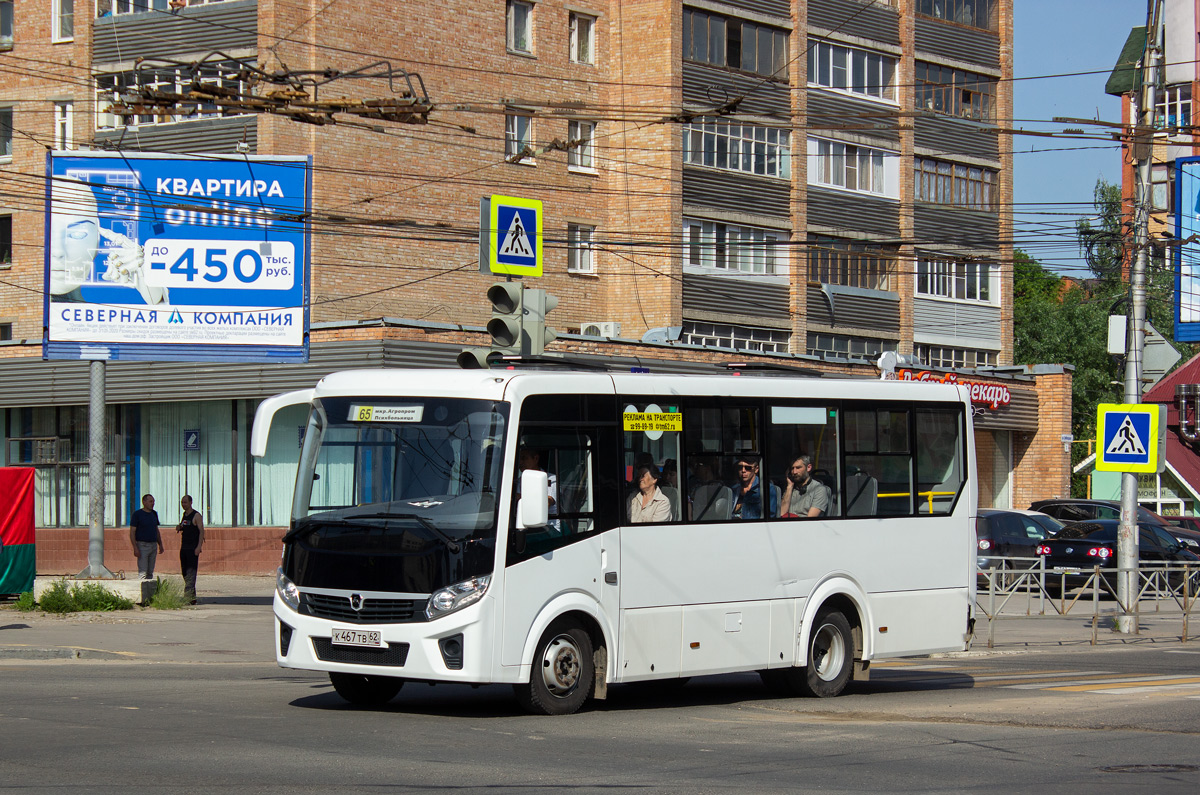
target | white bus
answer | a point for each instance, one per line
(473, 526)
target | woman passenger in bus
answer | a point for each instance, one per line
(649, 504)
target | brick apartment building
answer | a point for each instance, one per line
(805, 182)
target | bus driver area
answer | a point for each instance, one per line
(479, 527)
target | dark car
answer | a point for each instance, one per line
(1072, 555)
(1004, 534)
(1072, 510)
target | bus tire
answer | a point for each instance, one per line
(830, 656)
(366, 691)
(563, 674)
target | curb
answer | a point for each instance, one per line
(61, 653)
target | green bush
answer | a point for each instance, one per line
(169, 595)
(25, 602)
(90, 596)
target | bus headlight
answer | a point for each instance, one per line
(287, 590)
(457, 596)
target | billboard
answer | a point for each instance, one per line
(1187, 253)
(169, 257)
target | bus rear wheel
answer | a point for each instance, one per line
(830, 656)
(563, 673)
(366, 691)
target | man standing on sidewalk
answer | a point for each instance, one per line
(145, 538)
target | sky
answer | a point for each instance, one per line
(1052, 188)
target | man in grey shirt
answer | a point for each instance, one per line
(804, 496)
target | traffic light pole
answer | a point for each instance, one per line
(1127, 531)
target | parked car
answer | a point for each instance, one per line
(1078, 548)
(1072, 510)
(1186, 522)
(1004, 534)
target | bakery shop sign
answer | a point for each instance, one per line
(991, 395)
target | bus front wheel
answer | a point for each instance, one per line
(563, 672)
(366, 691)
(830, 656)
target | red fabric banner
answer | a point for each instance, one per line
(16, 505)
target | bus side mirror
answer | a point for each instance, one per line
(533, 509)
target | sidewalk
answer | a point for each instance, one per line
(233, 622)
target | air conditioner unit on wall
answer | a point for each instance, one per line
(601, 328)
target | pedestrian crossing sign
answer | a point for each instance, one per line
(510, 236)
(1131, 437)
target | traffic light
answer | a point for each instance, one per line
(538, 304)
(478, 358)
(507, 321)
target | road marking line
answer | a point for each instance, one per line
(1151, 689)
(1081, 687)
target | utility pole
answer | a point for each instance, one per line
(1143, 149)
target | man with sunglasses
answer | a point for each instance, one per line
(748, 491)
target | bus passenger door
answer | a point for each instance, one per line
(570, 562)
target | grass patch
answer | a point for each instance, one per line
(85, 597)
(169, 595)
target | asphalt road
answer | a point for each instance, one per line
(1085, 720)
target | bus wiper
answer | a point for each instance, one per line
(450, 543)
(311, 525)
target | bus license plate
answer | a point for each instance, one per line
(370, 638)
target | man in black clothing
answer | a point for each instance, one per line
(191, 530)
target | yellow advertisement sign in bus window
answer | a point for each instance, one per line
(647, 421)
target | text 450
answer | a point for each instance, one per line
(220, 264)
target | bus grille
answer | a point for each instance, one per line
(396, 654)
(373, 611)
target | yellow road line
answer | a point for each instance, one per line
(1190, 680)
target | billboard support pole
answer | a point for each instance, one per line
(96, 445)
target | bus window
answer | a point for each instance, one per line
(566, 456)
(939, 460)
(878, 474)
(796, 433)
(651, 433)
(725, 478)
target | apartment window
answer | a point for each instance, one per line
(64, 19)
(106, 7)
(976, 13)
(954, 92)
(748, 249)
(740, 338)
(581, 156)
(845, 347)
(735, 44)
(583, 38)
(738, 147)
(6, 134)
(1162, 187)
(856, 168)
(64, 125)
(955, 184)
(869, 74)
(109, 87)
(1173, 107)
(6, 247)
(520, 26)
(579, 249)
(954, 358)
(5, 332)
(849, 264)
(6, 24)
(963, 281)
(518, 136)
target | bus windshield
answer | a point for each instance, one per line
(432, 461)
